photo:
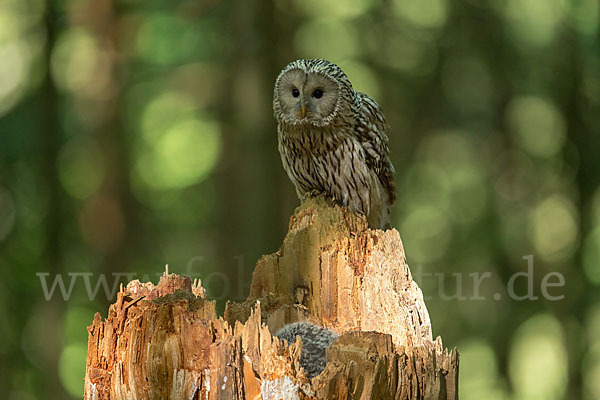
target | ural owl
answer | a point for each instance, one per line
(332, 139)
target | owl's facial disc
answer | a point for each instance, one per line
(307, 97)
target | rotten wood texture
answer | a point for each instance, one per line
(166, 341)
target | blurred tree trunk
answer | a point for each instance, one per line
(251, 164)
(166, 342)
(109, 215)
(50, 141)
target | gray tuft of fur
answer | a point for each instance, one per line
(315, 341)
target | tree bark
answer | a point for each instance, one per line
(166, 341)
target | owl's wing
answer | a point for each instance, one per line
(370, 129)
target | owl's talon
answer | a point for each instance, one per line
(313, 193)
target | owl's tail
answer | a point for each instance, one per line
(379, 212)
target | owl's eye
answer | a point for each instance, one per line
(295, 92)
(317, 94)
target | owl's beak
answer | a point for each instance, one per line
(303, 110)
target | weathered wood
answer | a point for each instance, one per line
(166, 342)
(163, 342)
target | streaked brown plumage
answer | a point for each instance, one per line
(332, 139)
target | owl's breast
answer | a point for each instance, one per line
(329, 162)
(298, 160)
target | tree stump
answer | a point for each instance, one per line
(166, 341)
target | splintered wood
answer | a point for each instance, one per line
(166, 341)
(163, 342)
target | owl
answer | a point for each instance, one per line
(332, 139)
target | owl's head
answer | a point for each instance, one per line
(311, 92)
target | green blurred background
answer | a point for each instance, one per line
(135, 133)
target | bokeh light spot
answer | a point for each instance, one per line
(468, 194)
(538, 359)
(426, 232)
(337, 40)
(462, 189)
(21, 44)
(41, 349)
(533, 22)
(164, 111)
(332, 8)
(412, 54)
(517, 176)
(76, 320)
(362, 77)
(538, 126)
(12, 73)
(553, 229)
(476, 382)
(160, 39)
(591, 244)
(591, 375)
(423, 13)
(450, 149)
(71, 368)
(78, 64)
(592, 327)
(423, 183)
(591, 361)
(27, 12)
(81, 167)
(181, 156)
